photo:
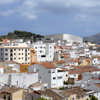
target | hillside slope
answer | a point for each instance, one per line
(22, 35)
(94, 38)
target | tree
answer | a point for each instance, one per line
(66, 82)
(42, 99)
(1, 40)
(93, 42)
(85, 41)
(23, 35)
(93, 98)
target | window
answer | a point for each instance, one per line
(11, 59)
(72, 98)
(9, 98)
(11, 50)
(45, 87)
(43, 55)
(19, 53)
(14, 53)
(78, 97)
(54, 78)
(6, 54)
(53, 71)
(89, 96)
(14, 49)
(4, 97)
(59, 77)
(25, 50)
(6, 49)
(40, 51)
(66, 98)
(6, 58)
(82, 96)
(49, 71)
(11, 54)
(62, 56)
(26, 59)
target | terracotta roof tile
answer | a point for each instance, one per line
(80, 70)
(48, 65)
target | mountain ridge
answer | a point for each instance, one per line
(94, 38)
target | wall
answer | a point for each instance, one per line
(18, 95)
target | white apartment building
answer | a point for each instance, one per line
(19, 53)
(49, 73)
(45, 51)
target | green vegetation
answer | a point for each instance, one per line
(66, 82)
(62, 88)
(22, 35)
(42, 99)
(0, 40)
(93, 42)
(85, 41)
(92, 98)
(69, 82)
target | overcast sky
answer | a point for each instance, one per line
(78, 17)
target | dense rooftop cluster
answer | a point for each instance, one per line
(58, 67)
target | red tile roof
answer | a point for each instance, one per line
(48, 65)
(79, 70)
(60, 62)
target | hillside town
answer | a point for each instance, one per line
(57, 67)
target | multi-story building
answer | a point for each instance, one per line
(19, 53)
(44, 51)
(51, 74)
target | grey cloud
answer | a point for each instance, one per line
(31, 8)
